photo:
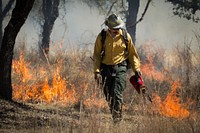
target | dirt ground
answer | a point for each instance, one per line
(29, 117)
(16, 117)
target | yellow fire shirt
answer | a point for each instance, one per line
(115, 49)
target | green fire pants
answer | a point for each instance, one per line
(114, 80)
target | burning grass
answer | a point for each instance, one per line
(171, 106)
(68, 82)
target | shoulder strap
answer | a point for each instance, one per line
(125, 37)
(103, 38)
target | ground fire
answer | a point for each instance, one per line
(34, 86)
(171, 106)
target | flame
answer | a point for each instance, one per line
(21, 68)
(150, 72)
(31, 89)
(171, 106)
(48, 86)
(46, 95)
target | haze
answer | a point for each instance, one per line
(82, 24)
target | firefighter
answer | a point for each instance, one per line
(112, 52)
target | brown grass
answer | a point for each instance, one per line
(89, 113)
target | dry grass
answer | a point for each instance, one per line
(89, 112)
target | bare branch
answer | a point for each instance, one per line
(145, 10)
(7, 8)
(111, 7)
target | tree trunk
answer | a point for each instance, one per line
(19, 15)
(133, 7)
(51, 12)
(1, 21)
(3, 15)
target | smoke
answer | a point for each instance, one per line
(81, 24)
(163, 28)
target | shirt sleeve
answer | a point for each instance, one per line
(97, 54)
(133, 57)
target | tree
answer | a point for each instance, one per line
(128, 9)
(186, 9)
(50, 12)
(3, 13)
(18, 18)
(131, 17)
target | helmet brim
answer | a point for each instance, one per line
(117, 27)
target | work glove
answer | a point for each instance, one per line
(97, 77)
(138, 73)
